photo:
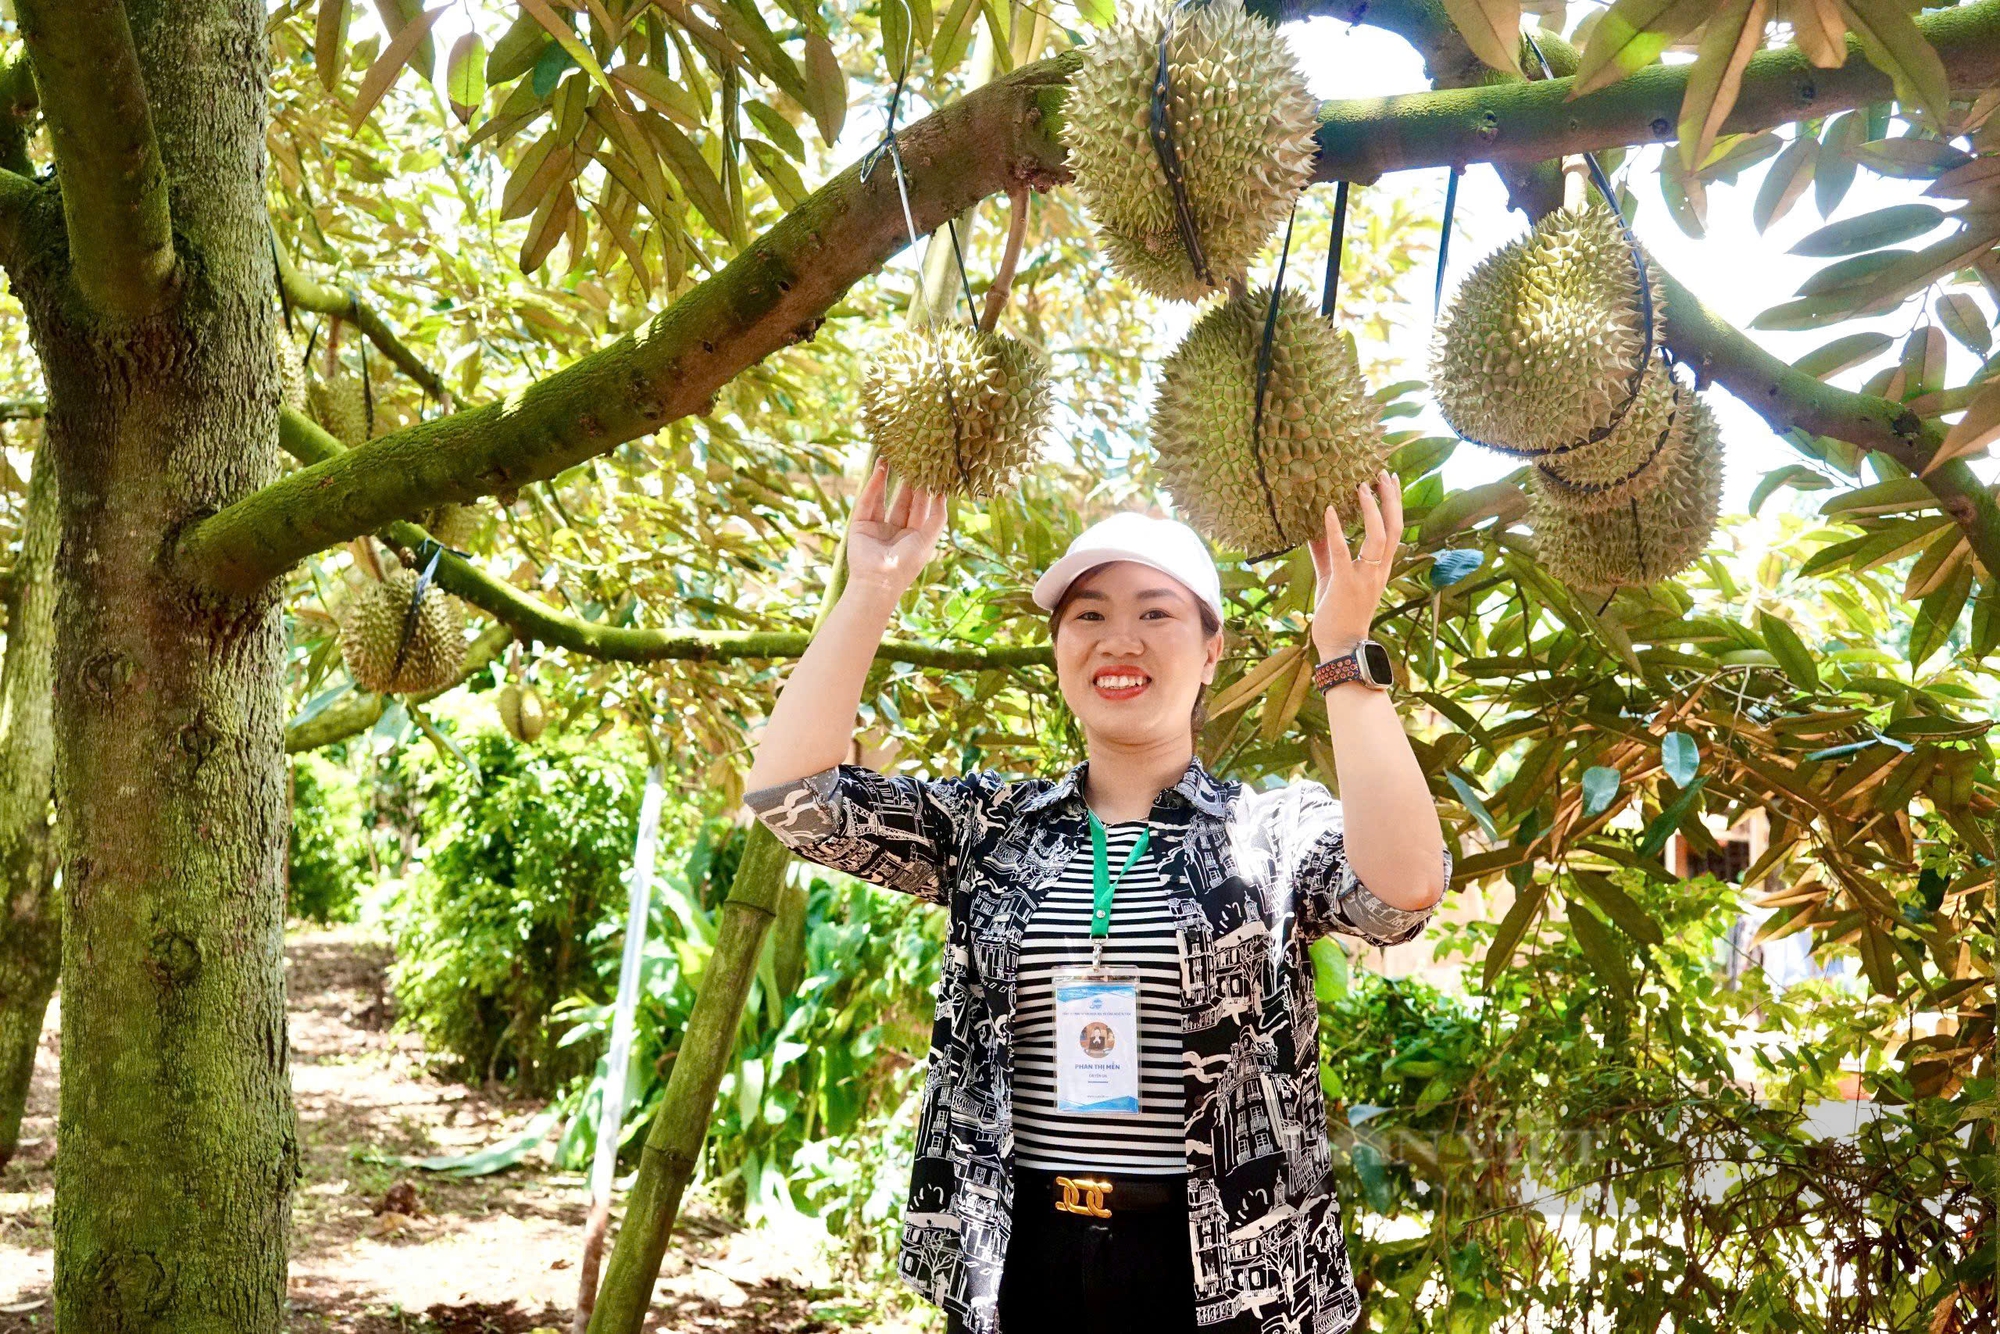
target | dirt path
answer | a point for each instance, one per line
(377, 1248)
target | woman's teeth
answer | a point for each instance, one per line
(1120, 685)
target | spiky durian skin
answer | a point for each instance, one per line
(1637, 455)
(1649, 538)
(1000, 393)
(1539, 345)
(1320, 438)
(340, 406)
(1243, 122)
(454, 525)
(291, 365)
(371, 628)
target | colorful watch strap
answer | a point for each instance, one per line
(1336, 670)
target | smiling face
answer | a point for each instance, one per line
(1132, 652)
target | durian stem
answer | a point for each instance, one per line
(1576, 182)
(1003, 279)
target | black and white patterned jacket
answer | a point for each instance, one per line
(1255, 877)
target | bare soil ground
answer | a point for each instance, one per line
(379, 1248)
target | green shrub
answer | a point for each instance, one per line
(329, 853)
(516, 903)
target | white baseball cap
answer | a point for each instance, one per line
(1167, 545)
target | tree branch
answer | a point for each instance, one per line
(344, 302)
(1520, 122)
(1786, 398)
(533, 619)
(772, 294)
(114, 189)
(18, 104)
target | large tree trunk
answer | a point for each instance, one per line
(30, 921)
(177, 1143)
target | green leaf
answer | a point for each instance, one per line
(777, 129)
(578, 50)
(1937, 615)
(1470, 799)
(1985, 620)
(375, 84)
(1892, 43)
(1600, 785)
(1789, 649)
(1785, 181)
(1655, 836)
(1871, 231)
(1507, 936)
(330, 42)
(1844, 277)
(517, 50)
(1330, 975)
(465, 76)
(1600, 950)
(827, 83)
(1097, 13)
(1620, 907)
(1680, 757)
(1492, 28)
(1842, 354)
(495, 1158)
(1629, 36)
(1834, 170)
(1964, 320)
(1896, 494)
(1910, 158)
(1797, 475)
(1733, 34)
(396, 16)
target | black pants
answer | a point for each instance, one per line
(1127, 1274)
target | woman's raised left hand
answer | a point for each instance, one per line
(1350, 587)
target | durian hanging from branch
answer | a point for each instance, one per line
(1549, 340)
(1649, 537)
(1262, 486)
(396, 643)
(961, 409)
(1212, 95)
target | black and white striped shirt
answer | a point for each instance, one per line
(1141, 938)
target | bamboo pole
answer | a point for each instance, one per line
(673, 1142)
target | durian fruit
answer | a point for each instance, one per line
(974, 440)
(371, 630)
(1542, 341)
(1321, 434)
(291, 365)
(1630, 461)
(1243, 123)
(522, 711)
(1650, 537)
(340, 405)
(454, 525)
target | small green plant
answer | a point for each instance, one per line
(508, 914)
(329, 856)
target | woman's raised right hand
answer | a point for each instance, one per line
(889, 543)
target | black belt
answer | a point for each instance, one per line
(1103, 1194)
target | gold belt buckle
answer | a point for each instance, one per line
(1083, 1195)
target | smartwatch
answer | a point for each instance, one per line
(1368, 663)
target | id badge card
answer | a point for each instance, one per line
(1097, 1040)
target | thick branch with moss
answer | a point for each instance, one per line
(19, 103)
(114, 187)
(307, 293)
(1787, 398)
(1521, 122)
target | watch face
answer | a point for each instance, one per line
(1375, 661)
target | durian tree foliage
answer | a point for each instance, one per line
(576, 264)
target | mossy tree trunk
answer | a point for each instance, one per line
(30, 919)
(145, 268)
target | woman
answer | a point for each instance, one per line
(1122, 1123)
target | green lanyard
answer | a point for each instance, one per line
(1100, 913)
